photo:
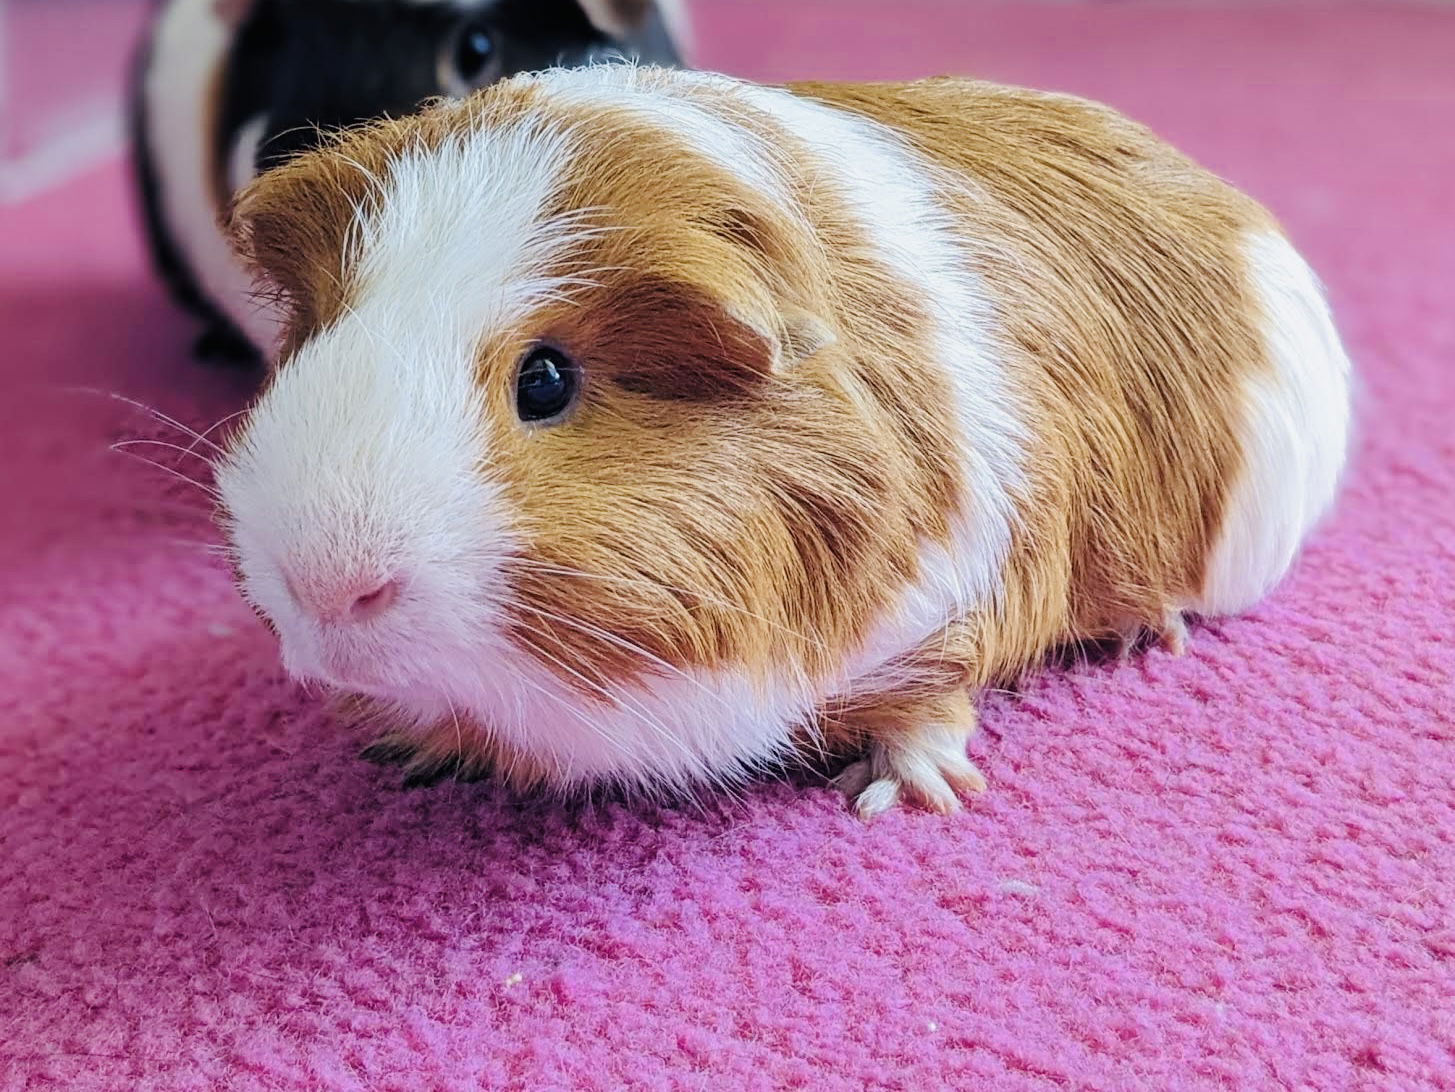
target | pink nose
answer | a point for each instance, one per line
(345, 601)
(374, 602)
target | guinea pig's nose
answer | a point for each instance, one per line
(373, 602)
(345, 600)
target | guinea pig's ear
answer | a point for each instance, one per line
(232, 12)
(789, 335)
(656, 26)
(680, 340)
(618, 18)
(291, 226)
(794, 332)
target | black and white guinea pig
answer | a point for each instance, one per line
(644, 426)
(226, 88)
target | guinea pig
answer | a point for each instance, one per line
(646, 427)
(226, 88)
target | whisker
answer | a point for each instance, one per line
(577, 714)
(459, 739)
(211, 549)
(202, 436)
(207, 491)
(120, 444)
(617, 699)
(591, 630)
(654, 585)
(164, 418)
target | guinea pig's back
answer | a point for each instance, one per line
(1188, 393)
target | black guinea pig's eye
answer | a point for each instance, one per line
(474, 50)
(546, 384)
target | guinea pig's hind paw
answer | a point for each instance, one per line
(1170, 635)
(929, 769)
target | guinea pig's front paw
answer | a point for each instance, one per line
(925, 765)
(1170, 635)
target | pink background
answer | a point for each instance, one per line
(1231, 870)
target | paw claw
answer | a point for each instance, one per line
(930, 771)
(1174, 632)
(877, 798)
(970, 779)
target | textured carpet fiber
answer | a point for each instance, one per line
(1228, 870)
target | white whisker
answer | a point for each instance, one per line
(151, 410)
(207, 491)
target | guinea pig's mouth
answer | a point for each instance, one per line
(361, 663)
(400, 666)
(353, 673)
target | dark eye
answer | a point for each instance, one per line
(546, 384)
(474, 50)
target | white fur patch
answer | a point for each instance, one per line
(370, 452)
(686, 727)
(1294, 435)
(189, 47)
(664, 99)
(241, 161)
(896, 194)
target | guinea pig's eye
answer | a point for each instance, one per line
(474, 50)
(545, 384)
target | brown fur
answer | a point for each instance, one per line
(749, 485)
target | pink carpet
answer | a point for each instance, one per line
(1233, 870)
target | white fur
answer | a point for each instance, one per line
(188, 49)
(370, 453)
(1294, 434)
(667, 99)
(242, 160)
(929, 766)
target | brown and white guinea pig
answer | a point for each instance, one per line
(226, 88)
(646, 426)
